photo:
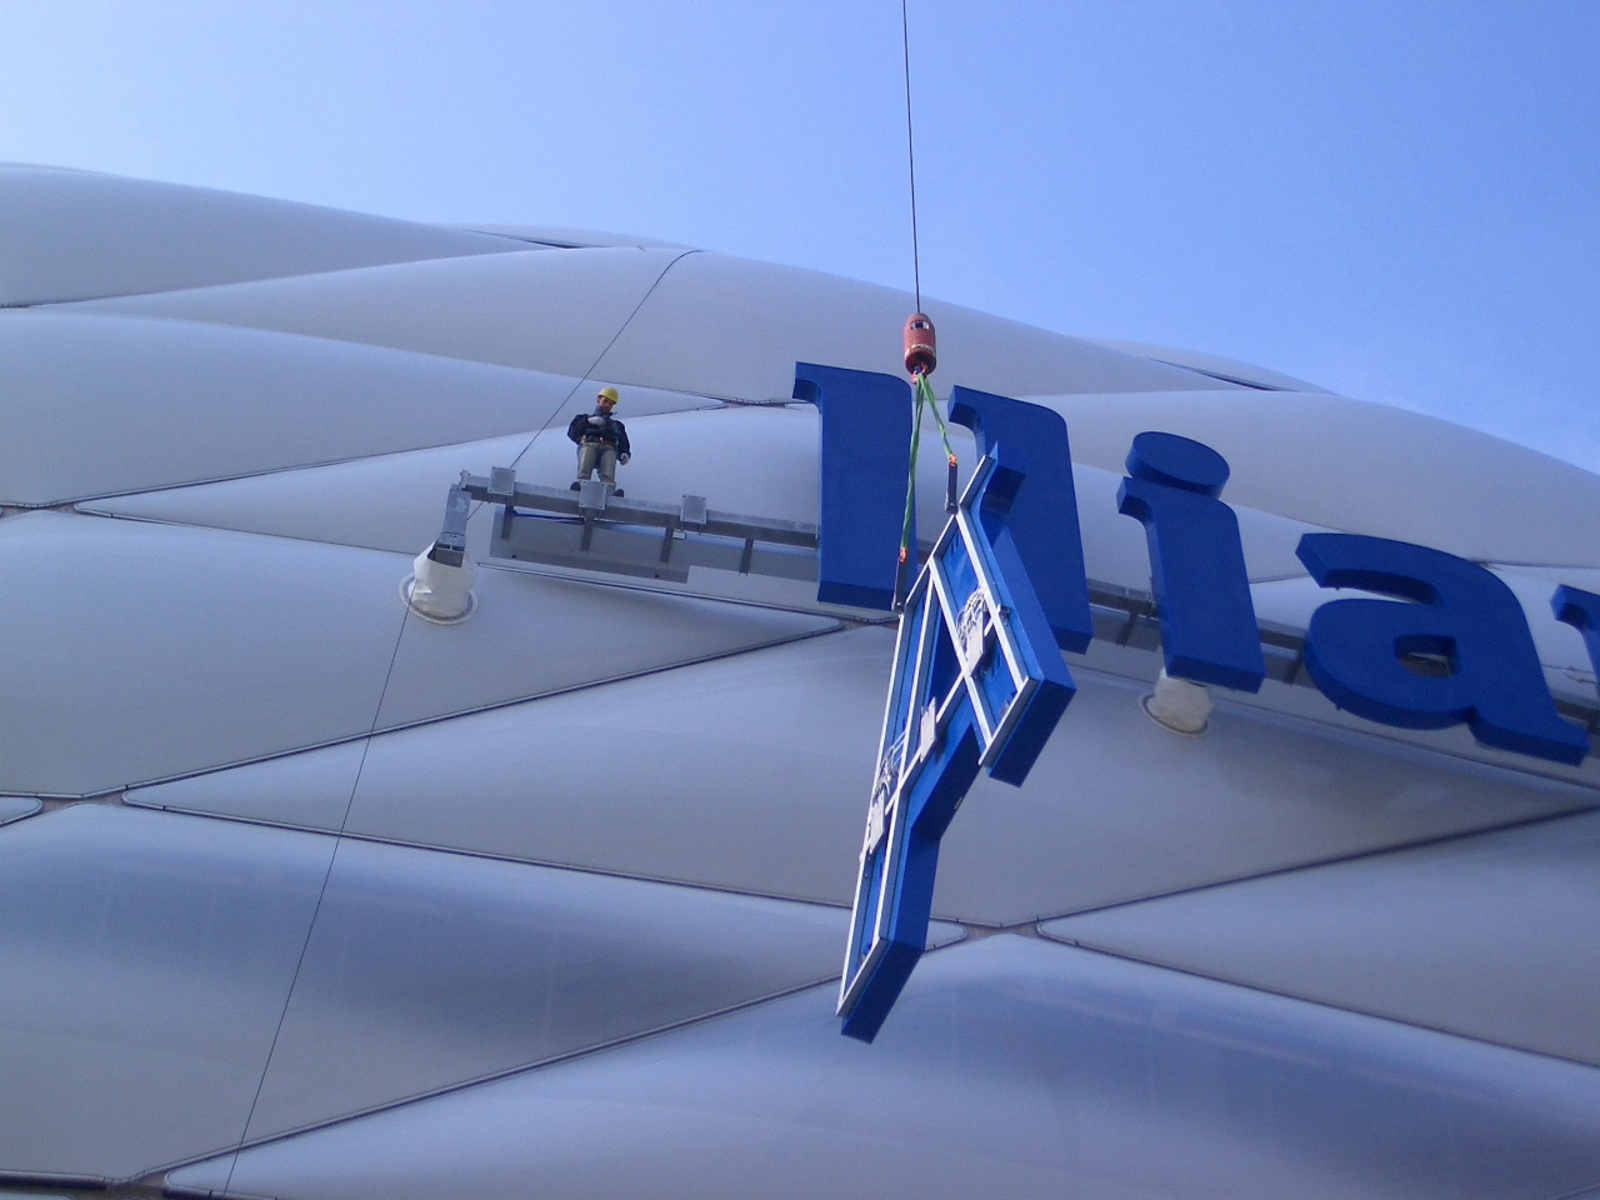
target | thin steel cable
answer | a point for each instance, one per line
(338, 837)
(316, 911)
(911, 157)
(590, 370)
(599, 358)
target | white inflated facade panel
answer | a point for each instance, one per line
(304, 895)
(1364, 468)
(79, 235)
(1078, 1075)
(744, 773)
(545, 312)
(99, 406)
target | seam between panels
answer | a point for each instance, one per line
(1328, 1005)
(154, 1174)
(118, 799)
(116, 793)
(422, 722)
(541, 864)
(1354, 856)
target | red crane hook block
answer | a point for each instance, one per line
(921, 348)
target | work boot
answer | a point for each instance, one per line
(617, 493)
(576, 486)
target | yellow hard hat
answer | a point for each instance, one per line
(608, 393)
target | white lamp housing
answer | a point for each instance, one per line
(438, 591)
(1178, 704)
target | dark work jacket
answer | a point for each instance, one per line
(610, 432)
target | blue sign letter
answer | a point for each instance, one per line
(1197, 571)
(1043, 520)
(978, 683)
(866, 459)
(1460, 613)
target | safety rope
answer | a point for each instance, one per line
(925, 399)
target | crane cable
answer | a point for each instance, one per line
(911, 157)
(924, 390)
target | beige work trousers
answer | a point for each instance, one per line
(596, 454)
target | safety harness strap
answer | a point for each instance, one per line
(924, 391)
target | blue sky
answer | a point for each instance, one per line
(1400, 201)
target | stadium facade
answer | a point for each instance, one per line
(303, 896)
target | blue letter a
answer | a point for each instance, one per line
(1462, 615)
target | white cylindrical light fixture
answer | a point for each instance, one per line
(439, 591)
(1178, 705)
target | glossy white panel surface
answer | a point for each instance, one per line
(1118, 807)
(1009, 1068)
(14, 808)
(150, 957)
(1492, 936)
(533, 309)
(72, 235)
(747, 773)
(752, 773)
(166, 650)
(732, 327)
(1363, 468)
(98, 405)
(142, 651)
(428, 969)
(147, 960)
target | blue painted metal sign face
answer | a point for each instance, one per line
(978, 682)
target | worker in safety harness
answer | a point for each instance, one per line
(602, 441)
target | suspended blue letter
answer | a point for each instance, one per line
(1043, 520)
